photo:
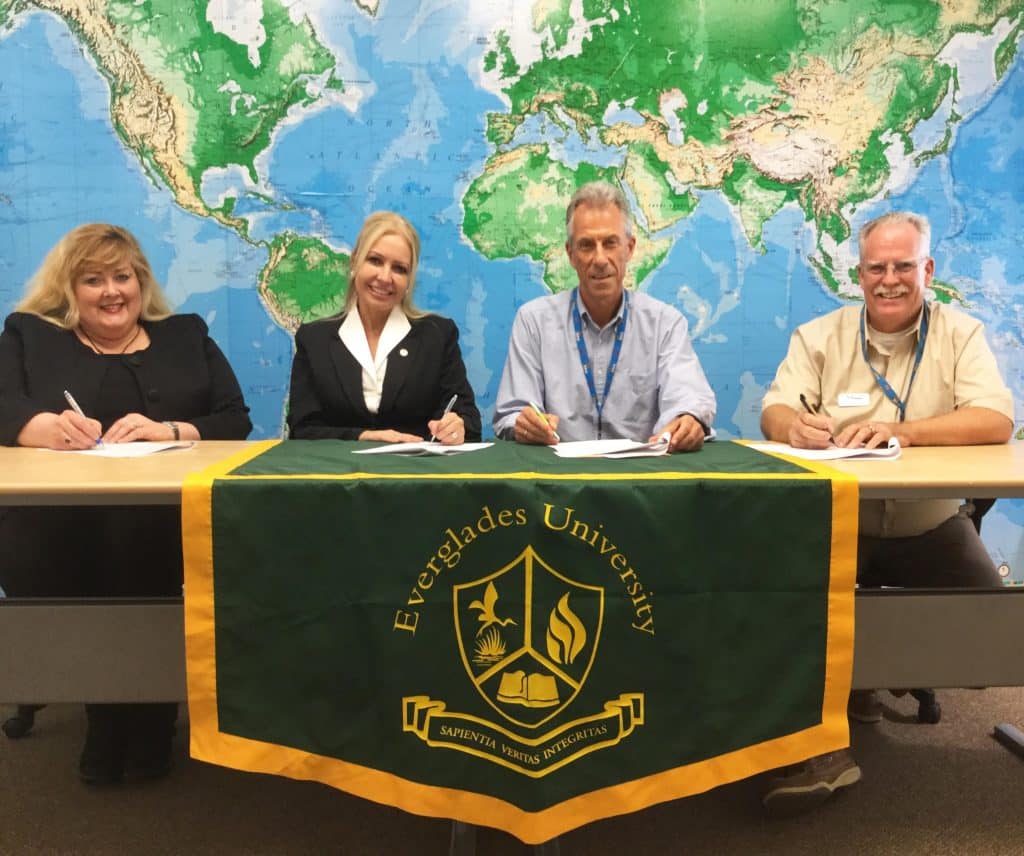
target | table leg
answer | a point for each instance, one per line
(463, 841)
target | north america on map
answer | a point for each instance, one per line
(244, 142)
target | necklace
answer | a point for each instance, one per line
(97, 349)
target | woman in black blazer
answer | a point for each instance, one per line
(95, 323)
(382, 370)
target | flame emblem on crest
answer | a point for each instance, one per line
(566, 634)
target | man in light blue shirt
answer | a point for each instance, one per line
(600, 362)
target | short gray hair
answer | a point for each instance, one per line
(598, 194)
(896, 218)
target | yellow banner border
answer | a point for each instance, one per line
(197, 550)
(527, 475)
(209, 744)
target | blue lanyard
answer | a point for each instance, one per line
(581, 346)
(890, 393)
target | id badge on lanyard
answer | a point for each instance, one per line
(883, 384)
(581, 347)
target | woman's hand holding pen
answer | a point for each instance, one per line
(449, 430)
(61, 431)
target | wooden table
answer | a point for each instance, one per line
(62, 651)
(39, 477)
(932, 472)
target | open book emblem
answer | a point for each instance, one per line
(528, 636)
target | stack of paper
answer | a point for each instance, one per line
(422, 447)
(132, 450)
(889, 452)
(613, 448)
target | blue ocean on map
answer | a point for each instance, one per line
(414, 144)
(972, 198)
(81, 172)
(345, 166)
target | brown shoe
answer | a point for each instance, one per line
(864, 706)
(807, 785)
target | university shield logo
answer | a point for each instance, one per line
(528, 635)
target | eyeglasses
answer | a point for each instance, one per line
(876, 270)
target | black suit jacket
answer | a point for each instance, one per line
(326, 399)
(108, 550)
(182, 376)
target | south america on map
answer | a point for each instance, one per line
(244, 142)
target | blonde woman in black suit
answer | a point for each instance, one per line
(383, 370)
(95, 323)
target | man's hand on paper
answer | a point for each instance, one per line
(870, 435)
(686, 434)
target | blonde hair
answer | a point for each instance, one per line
(896, 218)
(376, 226)
(50, 293)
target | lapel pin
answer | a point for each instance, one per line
(403, 353)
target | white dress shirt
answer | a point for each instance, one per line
(375, 366)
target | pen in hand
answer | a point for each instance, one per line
(74, 406)
(447, 409)
(544, 419)
(813, 411)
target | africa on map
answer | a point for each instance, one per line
(244, 142)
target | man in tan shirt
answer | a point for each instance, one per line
(895, 367)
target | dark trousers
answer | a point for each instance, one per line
(949, 556)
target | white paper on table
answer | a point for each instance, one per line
(422, 447)
(131, 450)
(889, 452)
(612, 448)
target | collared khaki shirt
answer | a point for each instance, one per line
(825, 364)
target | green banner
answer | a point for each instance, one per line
(517, 630)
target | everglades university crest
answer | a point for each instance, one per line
(528, 635)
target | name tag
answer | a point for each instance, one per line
(854, 399)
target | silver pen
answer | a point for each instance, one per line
(447, 409)
(74, 406)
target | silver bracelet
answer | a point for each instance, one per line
(174, 427)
